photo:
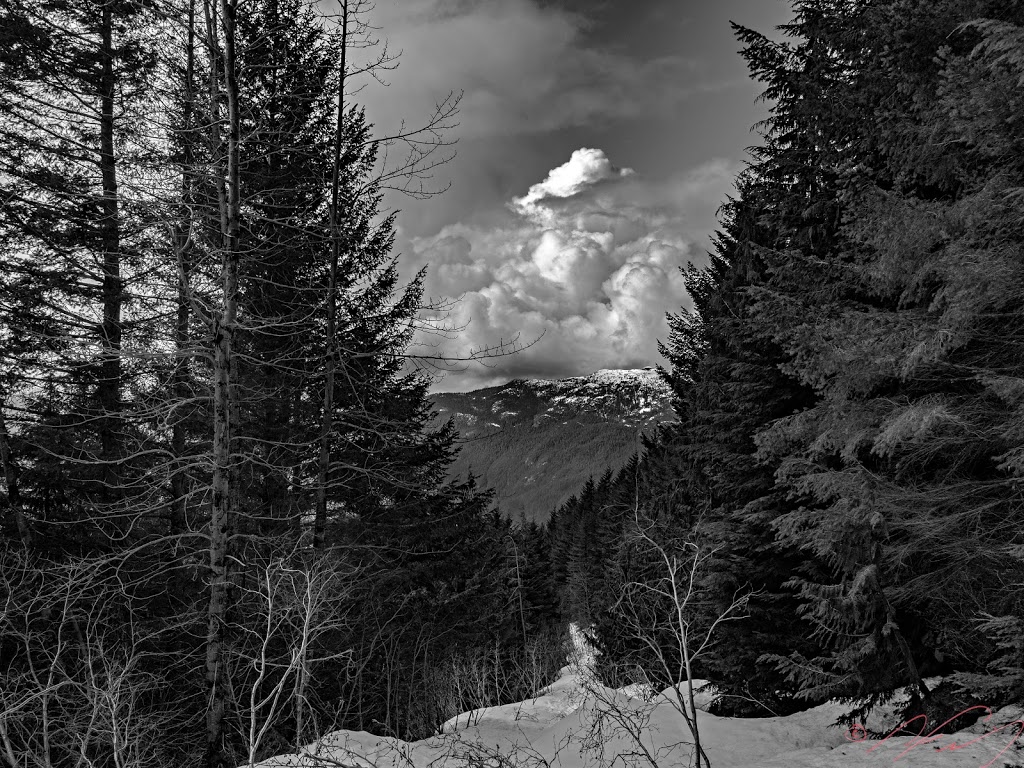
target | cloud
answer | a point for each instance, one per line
(524, 67)
(587, 259)
(585, 168)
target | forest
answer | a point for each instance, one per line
(226, 529)
(844, 476)
(226, 526)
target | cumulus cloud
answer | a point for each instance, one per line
(587, 259)
(585, 168)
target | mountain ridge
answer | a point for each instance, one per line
(535, 442)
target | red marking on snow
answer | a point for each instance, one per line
(857, 732)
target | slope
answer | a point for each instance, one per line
(535, 442)
(577, 722)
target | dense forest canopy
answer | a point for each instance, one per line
(226, 528)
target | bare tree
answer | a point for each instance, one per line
(83, 680)
(667, 614)
(225, 134)
(295, 609)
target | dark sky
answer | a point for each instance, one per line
(597, 139)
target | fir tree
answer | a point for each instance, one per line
(70, 97)
(900, 460)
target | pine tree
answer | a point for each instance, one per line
(726, 373)
(539, 597)
(900, 462)
(185, 259)
(70, 76)
(708, 475)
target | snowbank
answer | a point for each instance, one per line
(577, 723)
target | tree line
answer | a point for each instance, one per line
(226, 528)
(848, 382)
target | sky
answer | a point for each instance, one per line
(596, 141)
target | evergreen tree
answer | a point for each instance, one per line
(726, 374)
(539, 597)
(70, 96)
(173, 397)
(901, 462)
(845, 442)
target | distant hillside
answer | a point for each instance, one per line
(535, 442)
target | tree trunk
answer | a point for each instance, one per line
(223, 514)
(109, 386)
(11, 478)
(327, 426)
(182, 246)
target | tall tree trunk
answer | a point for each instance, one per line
(109, 388)
(223, 514)
(179, 432)
(323, 475)
(182, 247)
(14, 502)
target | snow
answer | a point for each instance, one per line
(646, 377)
(634, 375)
(577, 723)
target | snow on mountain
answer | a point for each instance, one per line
(535, 442)
(636, 397)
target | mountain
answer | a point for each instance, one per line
(535, 442)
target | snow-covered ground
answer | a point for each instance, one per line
(577, 723)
